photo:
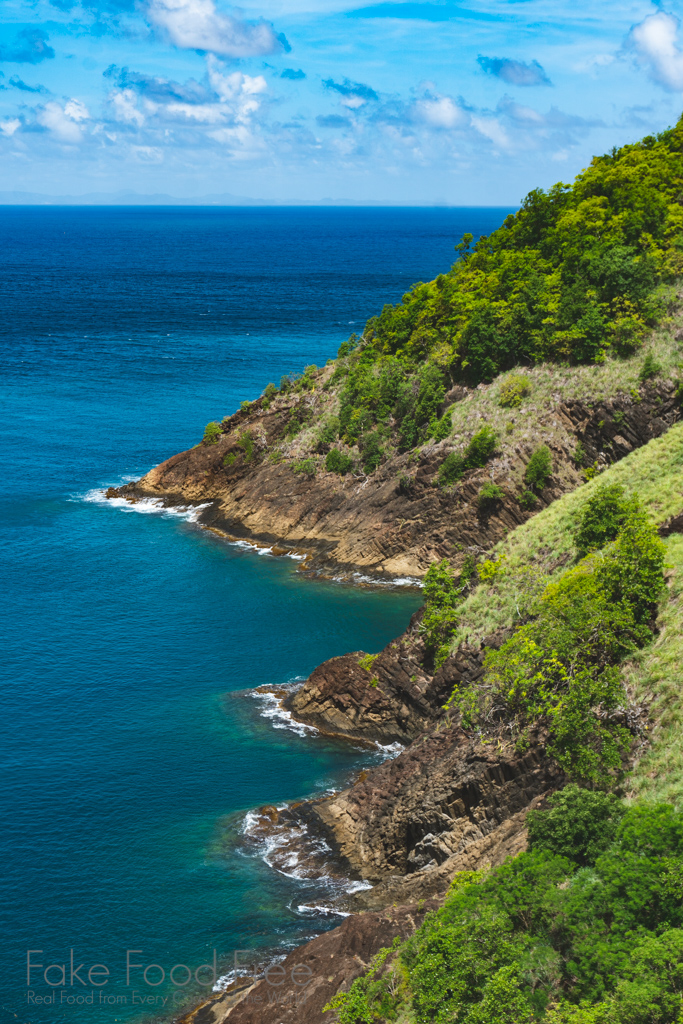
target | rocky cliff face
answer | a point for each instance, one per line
(396, 521)
(390, 698)
(443, 799)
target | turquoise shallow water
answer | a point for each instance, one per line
(129, 759)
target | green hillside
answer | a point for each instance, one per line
(577, 272)
(587, 926)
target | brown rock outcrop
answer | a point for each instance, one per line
(394, 522)
(300, 986)
(446, 794)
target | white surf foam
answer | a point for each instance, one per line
(278, 716)
(146, 506)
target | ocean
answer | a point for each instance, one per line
(132, 749)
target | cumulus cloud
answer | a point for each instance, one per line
(440, 112)
(221, 109)
(198, 25)
(654, 44)
(514, 72)
(294, 75)
(64, 122)
(353, 94)
(30, 46)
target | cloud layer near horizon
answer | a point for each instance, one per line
(196, 96)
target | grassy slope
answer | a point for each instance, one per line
(654, 674)
(654, 471)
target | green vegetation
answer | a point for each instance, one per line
(230, 459)
(307, 467)
(513, 389)
(477, 453)
(650, 368)
(579, 271)
(489, 498)
(367, 661)
(602, 516)
(247, 443)
(329, 431)
(560, 667)
(584, 928)
(338, 462)
(539, 469)
(212, 433)
(443, 592)
(539, 551)
(528, 500)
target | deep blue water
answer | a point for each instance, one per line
(127, 765)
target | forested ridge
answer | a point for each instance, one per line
(575, 273)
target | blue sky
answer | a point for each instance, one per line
(469, 103)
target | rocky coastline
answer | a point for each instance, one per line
(451, 800)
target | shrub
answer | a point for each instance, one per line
(601, 517)
(513, 390)
(579, 824)
(481, 448)
(650, 368)
(405, 483)
(305, 466)
(443, 592)
(560, 666)
(247, 443)
(490, 568)
(451, 469)
(478, 452)
(270, 391)
(440, 429)
(230, 459)
(329, 431)
(338, 462)
(212, 433)
(367, 661)
(528, 500)
(579, 456)
(488, 498)
(539, 469)
(371, 450)
(245, 406)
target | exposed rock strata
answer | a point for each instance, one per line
(395, 699)
(444, 798)
(378, 523)
(299, 987)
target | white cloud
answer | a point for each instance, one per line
(10, 126)
(197, 25)
(440, 112)
(493, 130)
(63, 122)
(235, 89)
(124, 102)
(653, 41)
